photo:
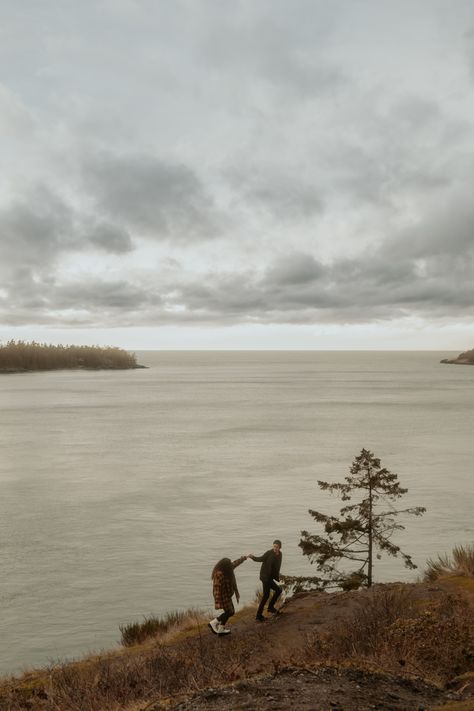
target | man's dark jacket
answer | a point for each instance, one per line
(271, 565)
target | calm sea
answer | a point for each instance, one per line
(120, 490)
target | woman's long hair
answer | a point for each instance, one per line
(223, 566)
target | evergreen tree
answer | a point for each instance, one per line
(361, 529)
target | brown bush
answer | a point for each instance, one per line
(395, 630)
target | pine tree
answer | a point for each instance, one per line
(361, 529)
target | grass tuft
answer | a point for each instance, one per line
(461, 562)
(157, 627)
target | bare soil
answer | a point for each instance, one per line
(323, 688)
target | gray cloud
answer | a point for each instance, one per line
(90, 301)
(293, 269)
(111, 238)
(426, 270)
(160, 199)
(275, 49)
(34, 229)
(285, 197)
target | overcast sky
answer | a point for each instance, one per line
(241, 173)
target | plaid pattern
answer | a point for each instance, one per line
(223, 589)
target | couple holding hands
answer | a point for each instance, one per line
(224, 585)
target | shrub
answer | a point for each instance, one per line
(393, 630)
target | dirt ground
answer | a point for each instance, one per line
(269, 685)
(325, 688)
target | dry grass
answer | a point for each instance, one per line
(461, 562)
(158, 627)
(394, 630)
(113, 682)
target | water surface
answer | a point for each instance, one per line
(120, 490)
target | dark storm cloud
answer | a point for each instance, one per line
(159, 199)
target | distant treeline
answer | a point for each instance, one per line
(23, 356)
(466, 358)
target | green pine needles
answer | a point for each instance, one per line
(362, 529)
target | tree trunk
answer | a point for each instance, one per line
(369, 567)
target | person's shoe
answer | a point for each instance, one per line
(214, 625)
(260, 618)
(222, 630)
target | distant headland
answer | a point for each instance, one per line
(25, 357)
(466, 358)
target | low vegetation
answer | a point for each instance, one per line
(461, 562)
(110, 682)
(400, 628)
(157, 627)
(18, 356)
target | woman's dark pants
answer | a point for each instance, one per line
(226, 614)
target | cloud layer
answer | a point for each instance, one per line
(254, 163)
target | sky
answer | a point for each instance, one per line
(203, 174)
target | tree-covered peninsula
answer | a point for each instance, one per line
(466, 358)
(23, 356)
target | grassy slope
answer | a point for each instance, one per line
(423, 625)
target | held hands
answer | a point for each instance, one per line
(249, 555)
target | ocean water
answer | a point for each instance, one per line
(120, 490)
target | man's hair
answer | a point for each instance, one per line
(277, 541)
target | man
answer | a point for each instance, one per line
(269, 573)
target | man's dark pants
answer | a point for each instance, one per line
(267, 586)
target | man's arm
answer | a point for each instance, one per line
(259, 559)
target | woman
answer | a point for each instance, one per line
(224, 586)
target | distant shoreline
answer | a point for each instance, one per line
(31, 357)
(13, 371)
(466, 358)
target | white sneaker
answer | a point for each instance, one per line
(214, 625)
(222, 630)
